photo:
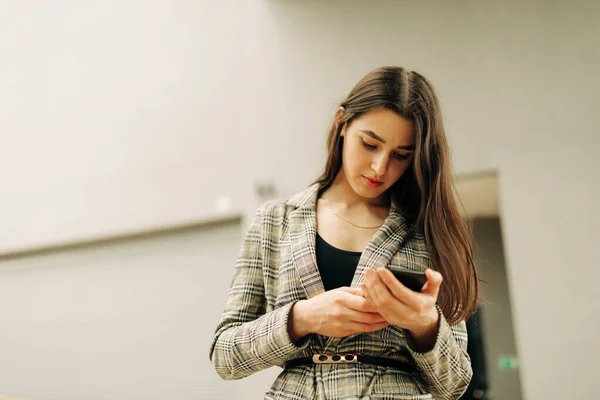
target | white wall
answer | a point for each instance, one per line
(117, 116)
(129, 319)
(518, 82)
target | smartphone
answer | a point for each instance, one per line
(411, 279)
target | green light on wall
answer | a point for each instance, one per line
(508, 363)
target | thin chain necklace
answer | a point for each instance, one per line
(345, 220)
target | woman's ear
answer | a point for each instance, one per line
(338, 117)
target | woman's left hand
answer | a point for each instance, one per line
(400, 306)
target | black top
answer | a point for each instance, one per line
(336, 266)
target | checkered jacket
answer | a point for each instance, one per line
(277, 267)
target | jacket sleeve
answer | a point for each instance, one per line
(248, 339)
(446, 369)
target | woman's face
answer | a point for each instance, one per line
(378, 148)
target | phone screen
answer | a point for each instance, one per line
(411, 279)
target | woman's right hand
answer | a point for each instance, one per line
(336, 313)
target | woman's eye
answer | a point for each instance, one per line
(398, 156)
(368, 146)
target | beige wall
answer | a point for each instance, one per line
(130, 319)
(112, 116)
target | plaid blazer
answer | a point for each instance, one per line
(277, 267)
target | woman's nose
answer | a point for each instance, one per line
(380, 165)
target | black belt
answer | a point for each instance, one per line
(351, 359)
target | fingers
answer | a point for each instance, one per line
(355, 301)
(396, 287)
(348, 312)
(357, 327)
(374, 327)
(395, 302)
(351, 290)
(378, 291)
(381, 298)
(409, 297)
(356, 308)
(366, 318)
(363, 318)
(433, 284)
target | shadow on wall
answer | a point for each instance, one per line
(491, 334)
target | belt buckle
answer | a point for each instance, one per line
(335, 358)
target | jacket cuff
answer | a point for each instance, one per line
(427, 360)
(277, 344)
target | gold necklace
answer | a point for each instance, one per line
(345, 220)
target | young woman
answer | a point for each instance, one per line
(313, 290)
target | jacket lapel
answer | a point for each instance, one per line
(383, 245)
(303, 232)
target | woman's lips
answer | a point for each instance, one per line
(372, 182)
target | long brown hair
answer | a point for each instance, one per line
(425, 190)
